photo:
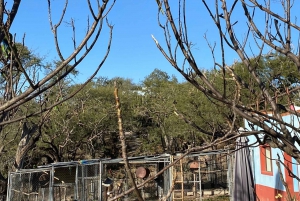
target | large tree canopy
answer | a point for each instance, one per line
(264, 80)
(31, 88)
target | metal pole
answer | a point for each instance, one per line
(43, 194)
(76, 183)
(232, 167)
(8, 194)
(181, 178)
(229, 174)
(100, 181)
(82, 183)
(171, 174)
(200, 197)
(51, 192)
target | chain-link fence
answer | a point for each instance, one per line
(192, 178)
(216, 174)
(27, 185)
(58, 182)
(141, 169)
(201, 175)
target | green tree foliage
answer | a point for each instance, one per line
(86, 125)
(12, 83)
(268, 58)
(159, 114)
(279, 75)
(163, 130)
(26, 93)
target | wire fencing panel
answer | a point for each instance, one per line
(192, 178)
(116, 181)
(150, 189)
(30, 185)
(202, 175)
(88, 182)
(185, 182)
(215, 179)
(64, 180)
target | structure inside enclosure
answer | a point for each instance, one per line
(203, 174)
(192, 177)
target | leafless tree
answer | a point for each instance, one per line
(23, 85)
(277, 34)
(123, 145)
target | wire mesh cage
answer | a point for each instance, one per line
(200, 175)
(191, 178)
(89, 182)
(28, 185)
(141, 169)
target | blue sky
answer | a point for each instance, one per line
(133, 53)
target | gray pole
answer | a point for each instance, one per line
(9, 188)
(76, 183)
(51, 192)
(200, 198)
(100, 181)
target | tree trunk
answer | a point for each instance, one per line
(26, 143)
(123, 144)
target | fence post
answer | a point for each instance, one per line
(51, 192)
(199, 169)
(76, 183)
(100, 180)
(8, 193)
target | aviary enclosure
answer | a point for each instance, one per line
(194, 177)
